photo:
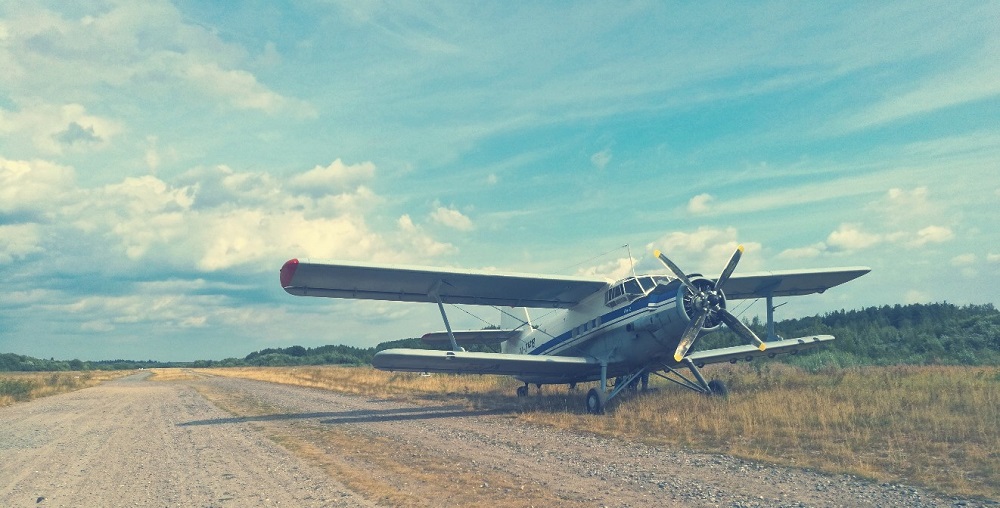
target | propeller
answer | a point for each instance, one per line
(709, 302)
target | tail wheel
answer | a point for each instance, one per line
(596, 399)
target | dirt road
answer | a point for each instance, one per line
(136, 442)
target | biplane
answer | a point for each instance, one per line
(596, 330)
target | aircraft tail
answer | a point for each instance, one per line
(515, 318)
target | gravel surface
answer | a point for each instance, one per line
(135, 442)
(120, 444)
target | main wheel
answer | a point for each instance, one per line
(522, 391)
(718, 388)
(596, 399)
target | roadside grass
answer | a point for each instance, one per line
(938, 427)
(25, 386)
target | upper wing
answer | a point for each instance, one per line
(748, 352)
(789, 282)
(418, 284)
(464, 362)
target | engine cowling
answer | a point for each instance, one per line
(689, 302)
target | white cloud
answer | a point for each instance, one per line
(809, 252)
(208, 219)
(33, 186)
(901, 208)
(916, 296)
(149, 48)
(18, 241)
(241, 89)
(850, 237)
(601, 159)
(58, 128)
(932, 234)
(966, 263)
(700, 203)
(333, 178)
(420, 244)
(169, 310)
(706, 250)
(963, 260)
(611, 270)
(993, 258)
(452, 218)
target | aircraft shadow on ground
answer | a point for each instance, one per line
(358, 416)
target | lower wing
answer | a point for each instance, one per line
(748, 352)
(464, 362)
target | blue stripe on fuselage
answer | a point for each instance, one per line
(637, 306)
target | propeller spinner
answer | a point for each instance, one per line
(708, 304)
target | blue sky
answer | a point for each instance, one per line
(159, 161)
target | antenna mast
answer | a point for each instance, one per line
(630, 262)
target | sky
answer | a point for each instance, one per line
(160, 160)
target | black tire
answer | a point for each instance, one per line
(718, 388)
(596, 400)
(522, 391)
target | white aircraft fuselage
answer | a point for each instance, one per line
(626, 328)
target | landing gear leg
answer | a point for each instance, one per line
(698, 384)
(597, 398)
(522, 391)
(713, 387)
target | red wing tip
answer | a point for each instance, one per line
(288, 271)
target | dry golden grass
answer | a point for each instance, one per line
(24, 386)
(930, 426)
(933, 426)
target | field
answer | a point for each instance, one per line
(930, 426)
(23, 386)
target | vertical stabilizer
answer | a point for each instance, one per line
(515, 318)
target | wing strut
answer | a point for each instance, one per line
(436, 294)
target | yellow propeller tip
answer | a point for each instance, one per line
(740, 248)
(762, 346)
(656, 252)
(678, 358)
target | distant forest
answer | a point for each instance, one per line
(919, 334)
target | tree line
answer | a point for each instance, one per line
(917, 334)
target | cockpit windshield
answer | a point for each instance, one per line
(630, 288)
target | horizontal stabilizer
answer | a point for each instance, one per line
(468, 337)
(748, 352)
